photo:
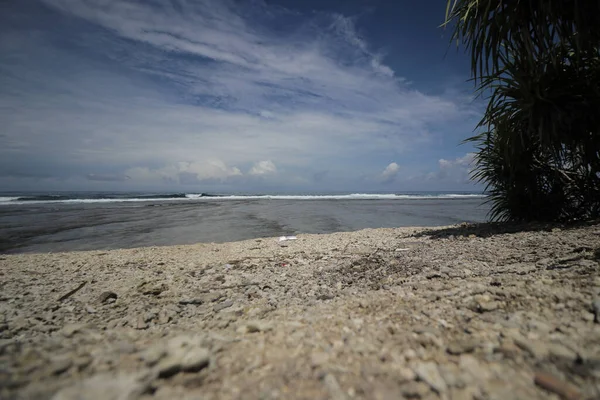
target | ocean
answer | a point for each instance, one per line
(52, 222)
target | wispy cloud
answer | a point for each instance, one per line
(186, 92)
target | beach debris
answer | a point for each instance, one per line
(286, 238)
(72, 292)
(555, 385)
(107, 296)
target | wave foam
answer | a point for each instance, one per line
(53, 199)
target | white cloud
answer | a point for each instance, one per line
(457, 170)
(236, 92)
(263, 168)
(390, 172)
(186, 172)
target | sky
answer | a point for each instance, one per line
(233, 96)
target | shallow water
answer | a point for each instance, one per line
(44, 227)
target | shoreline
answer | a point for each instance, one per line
(421, 312)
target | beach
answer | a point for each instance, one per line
(470, 311)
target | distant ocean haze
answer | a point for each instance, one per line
(44, 222)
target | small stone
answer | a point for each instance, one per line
(105, 387)
(560, 352)
(153, 354)
(539, 326)
(223, 305)
(90, 309)
(71, 329)
(106, 296)
(537, 349)
(150, 288)
(406, 374)
(82, 362)
(460, 347)
(410, 354)
(318, 358)
(483, 303)
(428, 372)
(451, 375)
(213, 297)
(556, 385)
(169, 366)
(414, 390)
(325, 296)
(507, 349)
(195, 359)
(139, 323)
(588, 316)
(194, 301)
(258, 326)
(60, 365)
(473, 369)
(596, 308)
(163, 317)
(335, 391)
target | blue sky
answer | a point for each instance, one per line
(219, 95)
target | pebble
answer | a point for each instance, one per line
(71, 329)
(223, 305)
(195, 359)
(139, 323)
(151, 288)
(106, 296)
(258, 326)
(195, 301)
(164, 317)
(596, 308)
(428, 372)
(60, 365)
(460, 347)
(335, 391)
(154, 354)
(561, 353)
(555, 385)
(318, 358)
(414, 390)
(537, 349)
(105, 387)
(406, 374)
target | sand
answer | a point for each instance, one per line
(464, 312)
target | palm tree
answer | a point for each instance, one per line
(538, 64)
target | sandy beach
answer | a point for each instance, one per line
(461, 312)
